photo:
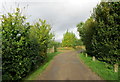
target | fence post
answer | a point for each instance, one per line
(86, 55)
(53, 49)
(116, 67)
(93, 58)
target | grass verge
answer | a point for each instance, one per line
(103, 69)
(40, 69)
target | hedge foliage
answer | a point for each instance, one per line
(101, 35)
(24, 46)
(86, 31)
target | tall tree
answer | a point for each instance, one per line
(106, 45)
(100, 33)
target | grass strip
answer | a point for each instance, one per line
(103, 69)
(40, 69)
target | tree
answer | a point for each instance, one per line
(105, 42)
(100, 33)
(40, 38)
(86, 31)
(69, 40)
(79, 42)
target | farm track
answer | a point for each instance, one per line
(67, 66)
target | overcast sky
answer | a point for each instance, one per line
(60, 14)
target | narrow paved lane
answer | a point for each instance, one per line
(67, 66)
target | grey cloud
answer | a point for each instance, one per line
(62, 15)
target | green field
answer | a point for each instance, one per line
(103, 69)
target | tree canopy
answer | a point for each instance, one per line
(69, 39)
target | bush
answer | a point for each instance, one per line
(24, 46)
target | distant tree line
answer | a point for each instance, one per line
(54, 44)
(101, 32)
(70, 40)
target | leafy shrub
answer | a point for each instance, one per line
(23, 45)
